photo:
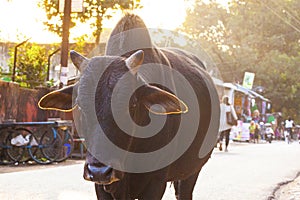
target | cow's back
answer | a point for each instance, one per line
(203, 87)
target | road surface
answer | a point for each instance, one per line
(247, 171)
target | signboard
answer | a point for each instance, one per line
(238, 104)
(76, 6)
(248, 80)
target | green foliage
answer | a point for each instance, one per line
(254, 36)
(80, 43)
(94, 13)
(31, 66)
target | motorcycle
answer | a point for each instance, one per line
(269, 133)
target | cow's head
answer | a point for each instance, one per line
(148, 98)
(149, 95)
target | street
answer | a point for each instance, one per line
(247, 171)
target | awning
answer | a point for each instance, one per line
(238, 88)
(252, 93)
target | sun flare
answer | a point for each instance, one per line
(168, 14)
(23, 19)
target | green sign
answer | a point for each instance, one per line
(248, 80)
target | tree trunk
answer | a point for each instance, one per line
(99, 27)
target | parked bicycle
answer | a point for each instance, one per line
(67, 144)
(43, 142)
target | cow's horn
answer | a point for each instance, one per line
(134, 61)
(77, 59)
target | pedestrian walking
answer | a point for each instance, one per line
(227, 113)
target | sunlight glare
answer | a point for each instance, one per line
(23, 19)
(168, 14)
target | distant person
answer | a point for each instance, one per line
(252, 130)
(299, 136)
(225, 128)
(288, 126)
(256, 133)
(256, 116)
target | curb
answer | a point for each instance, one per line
(279, 186)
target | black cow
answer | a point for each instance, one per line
(150, 115)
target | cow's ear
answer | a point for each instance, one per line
(60, 100)
(161, 102)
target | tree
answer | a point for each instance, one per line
(204, 24)
(95, 11)
(31, 65)
(254, 36)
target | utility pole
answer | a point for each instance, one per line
(65, 42)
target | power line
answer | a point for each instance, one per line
(288, 11)
(279, 16)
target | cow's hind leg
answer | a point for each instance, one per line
(184, 188)
(101, 194)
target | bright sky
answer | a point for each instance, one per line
(20, 19)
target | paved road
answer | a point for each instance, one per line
(247, 171)
(55, 182)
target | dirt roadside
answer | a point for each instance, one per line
(288, 190)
